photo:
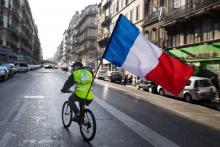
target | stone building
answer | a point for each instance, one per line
(19, 40)
(79, 40)
(108, 13)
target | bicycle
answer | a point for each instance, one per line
(86, 120)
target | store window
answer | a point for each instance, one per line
(154, 35)
(207, 30)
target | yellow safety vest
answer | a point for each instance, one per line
(83, 81)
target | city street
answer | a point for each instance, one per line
(30, 116)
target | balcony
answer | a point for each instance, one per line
(154, 16)
(106, 22)
(106, 4)
(191, 9)
(103, 40)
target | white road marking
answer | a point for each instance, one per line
(143, 131)
(34, 97)
(8, 115)
(4, 141)
(21, 112)
(46, 141)
(30, 141)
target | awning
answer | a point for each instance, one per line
(205, 52)
(6, 51)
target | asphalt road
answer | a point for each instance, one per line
(30, 116)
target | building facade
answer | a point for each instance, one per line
(187, 29)
(86, 36)
(79, 40)
(108, 13)
(19, 40)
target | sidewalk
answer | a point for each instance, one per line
(215, 104)
(200, 114)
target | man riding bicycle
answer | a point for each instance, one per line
(82, 78)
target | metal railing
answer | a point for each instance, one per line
(189, 8)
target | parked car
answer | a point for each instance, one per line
(102, 74)
(22, 67)
(197, 88)
(4, 73)
(146, 85)
(113, 76)
(10, 69)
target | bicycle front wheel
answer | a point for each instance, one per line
(66, 115)
(88, 125)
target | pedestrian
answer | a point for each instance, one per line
(125, 79)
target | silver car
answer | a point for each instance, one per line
(198, 88)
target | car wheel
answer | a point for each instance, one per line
(138, 87)
(188, 98)
(161, 92)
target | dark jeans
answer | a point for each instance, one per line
(73, 98)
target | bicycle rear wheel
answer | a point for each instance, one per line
(88, 125)
(66, 115)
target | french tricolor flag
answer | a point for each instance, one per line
(128, 48)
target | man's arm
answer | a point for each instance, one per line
(69, 83)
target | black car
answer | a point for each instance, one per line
(146, 85)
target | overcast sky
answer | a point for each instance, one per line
(52, 18)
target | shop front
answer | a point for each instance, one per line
(204, 58)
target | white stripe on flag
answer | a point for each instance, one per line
(142, 57)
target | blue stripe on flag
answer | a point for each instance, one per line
(122, 39)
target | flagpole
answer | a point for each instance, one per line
(94, 76)
(103, 55)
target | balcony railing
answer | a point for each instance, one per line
(106, 22)
(154, 16)
(102, 41)
(190, 8)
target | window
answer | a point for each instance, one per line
(217, 30)
(153, 35)
(126, 2)
(207, 30)
(117, 6)
(179, 3)
(189, 82)
(181, 38)
(131, 15)
(122, 4)
(137, 13)
(202, 83)
(3, 2)
(146, 35)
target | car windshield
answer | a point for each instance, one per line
(203, 83)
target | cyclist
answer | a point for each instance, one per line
(82, 78)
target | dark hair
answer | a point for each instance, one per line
(77, 64)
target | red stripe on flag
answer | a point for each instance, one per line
(170, 73)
